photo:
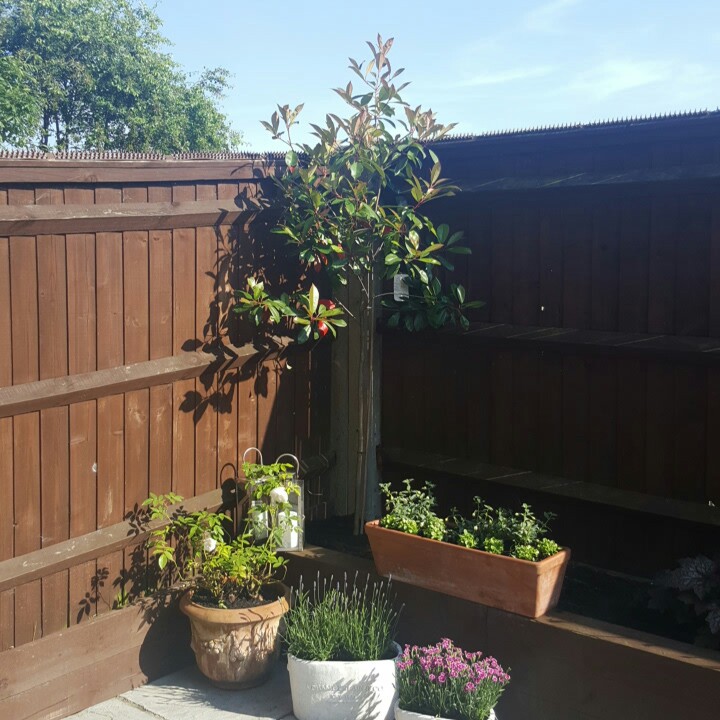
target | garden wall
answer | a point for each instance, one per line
(121, 373)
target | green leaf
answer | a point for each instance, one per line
(313, 298)
(162, 561)
(459, 293)
(460, 250)
(291, 158)
(304, 334)
(442, 232)
(392, 259)
(356, 170)
(455, 237)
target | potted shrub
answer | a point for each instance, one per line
(234, 600)
(496, 557)
(341, 652)
(443, 681)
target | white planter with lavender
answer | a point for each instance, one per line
(342, 660)
(343, 690)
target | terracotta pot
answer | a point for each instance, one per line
(236, 649)
(409, 715)
(518, 586)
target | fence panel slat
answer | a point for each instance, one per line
(661, 272)
(183, 332)
(26, 428)
(111, 409)
(692, 291)
(604, 263)
(161, 299)
(54, 422)
(206, 425)
(7, 549)
(82, 357)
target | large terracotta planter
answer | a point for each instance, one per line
(236, 649)
(518, 586)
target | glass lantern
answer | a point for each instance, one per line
(290, 516)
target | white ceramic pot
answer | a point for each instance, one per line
(334, 690)
(408, 715)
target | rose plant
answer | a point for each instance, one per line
(444, 681)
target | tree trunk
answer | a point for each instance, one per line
(366, 481)
(45, 134)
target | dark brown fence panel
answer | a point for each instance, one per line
(596, 253)
(633, 423)
(594, 359)
(89, 289)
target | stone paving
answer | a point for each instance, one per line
(187, 695)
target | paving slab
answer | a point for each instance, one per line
(188, 695)
(112, 710)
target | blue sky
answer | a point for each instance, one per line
(485, 65)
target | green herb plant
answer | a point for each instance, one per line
(411, 511)
(503, 532)
(500, 531)
(348, 621)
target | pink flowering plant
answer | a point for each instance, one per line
(445, 681)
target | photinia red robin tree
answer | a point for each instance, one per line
(353, 210)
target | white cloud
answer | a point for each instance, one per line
(505, 76)
(547, 17)
(615, 76)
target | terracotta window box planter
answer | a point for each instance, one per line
(517, 586)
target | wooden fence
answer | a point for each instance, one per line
(120, 372)
(594, 368)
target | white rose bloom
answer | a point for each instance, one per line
(209, 544)
(278, 496)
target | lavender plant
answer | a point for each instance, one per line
(444, 681)
(341, 621)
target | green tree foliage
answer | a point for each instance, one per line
(92, 74)
(20, 109)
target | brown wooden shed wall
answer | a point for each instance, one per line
(596, 357)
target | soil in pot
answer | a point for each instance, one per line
(237, 648)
